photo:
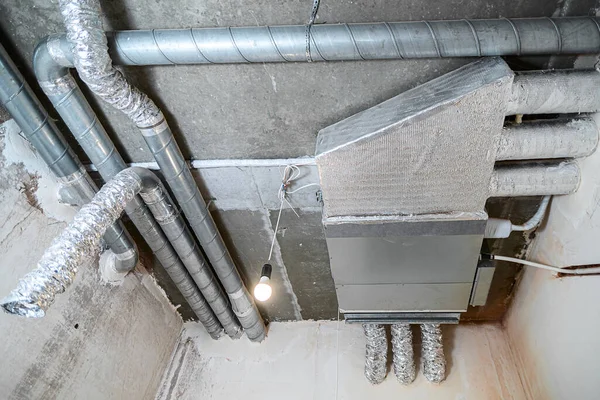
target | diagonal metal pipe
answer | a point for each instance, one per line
(76, 185)
(80, 241)
(67, 98)
(20, 101)
(88, 45)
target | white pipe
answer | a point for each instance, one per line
(537, 217)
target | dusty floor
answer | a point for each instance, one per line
(315, 360)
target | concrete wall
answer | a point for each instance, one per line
(554, 322)
(97, 341)
(553, 325)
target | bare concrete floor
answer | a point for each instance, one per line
(324, 360)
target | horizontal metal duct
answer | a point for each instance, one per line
(570, 138)
(364, 41)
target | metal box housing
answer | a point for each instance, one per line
(386, 264)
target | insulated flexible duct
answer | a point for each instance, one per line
(432, 349)
(402, 347)
(375, 353)
(86, 35)
(80, 242)
(22, 104)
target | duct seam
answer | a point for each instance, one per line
(402, 347)
(56, 52)
(375, 353)
(434, 362)
(58, 86)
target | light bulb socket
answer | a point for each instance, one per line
(267, 269)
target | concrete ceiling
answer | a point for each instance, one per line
(268, 111)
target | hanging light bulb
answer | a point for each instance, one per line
(263, 290)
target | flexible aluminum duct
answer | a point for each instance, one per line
(535, 179)
(364, 41)
(571, 138)
(65, 95)
(375, 353)
(86, 35)
(22, 104)
(555, 92)
(432, 352)
(404, 357)
(80, 242)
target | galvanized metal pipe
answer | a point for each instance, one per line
(535, 179)
(570, 138)
(22, 104)
(69, 101)
(363, 41)
(555, 92)
(176, 230)
(86, 36)
(80, 241)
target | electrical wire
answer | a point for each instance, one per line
(290, 173)
(578, 271)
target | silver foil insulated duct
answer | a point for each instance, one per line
(375, 353)
(402, 347)
(78, 243)
(432, 349)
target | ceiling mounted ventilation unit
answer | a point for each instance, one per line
(404, 187)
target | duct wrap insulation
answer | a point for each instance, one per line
(432, 349)
(402, 347)
(80, 242)
(555, 92)
(577, 137)
(89, 47)
(535, 179)
(375, 353)
(446, 131)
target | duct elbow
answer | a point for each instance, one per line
(126, 262)
(51, 58)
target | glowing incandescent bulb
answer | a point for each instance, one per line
(263, 290)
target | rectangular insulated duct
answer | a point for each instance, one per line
(404, 187)
(429, 150)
